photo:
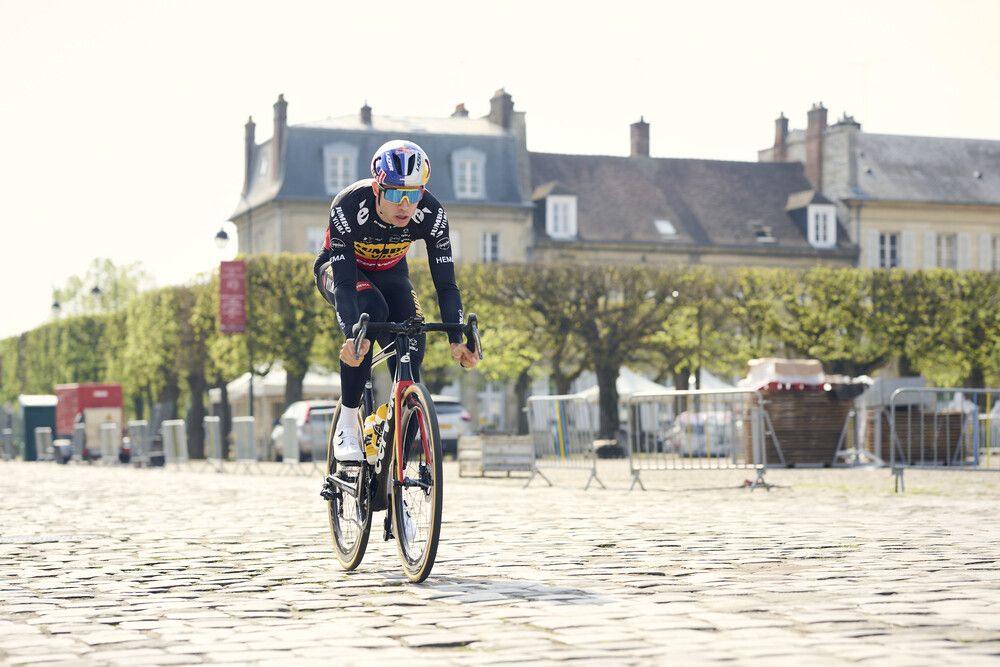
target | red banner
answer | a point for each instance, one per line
(232, 296)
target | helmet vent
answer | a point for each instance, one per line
(409, 164)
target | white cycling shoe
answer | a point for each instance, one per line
(346, 446)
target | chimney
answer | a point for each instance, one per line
(780, 138)
(249, 144)
(460, 111)
(814, 145)
(501, 109)
(366, 114)
(280, 130)
(640, 138)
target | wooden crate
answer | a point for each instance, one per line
(808, 425)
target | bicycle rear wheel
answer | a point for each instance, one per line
(350, 516)
(417, 495)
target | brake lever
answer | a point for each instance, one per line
(359, 330)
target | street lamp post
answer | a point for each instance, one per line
(222, 240)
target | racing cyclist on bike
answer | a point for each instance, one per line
(362, 268)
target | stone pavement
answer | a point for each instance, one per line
(111, 566)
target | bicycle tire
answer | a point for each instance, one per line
(348, 544)
(423, 505)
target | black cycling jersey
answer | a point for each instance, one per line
(357, 238)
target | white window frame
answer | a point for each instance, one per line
(315, 236)
(560, 216)
(340, 166)
(889, 246)
(489, 247)
(822, 225)
(468, 167)
(946, 251)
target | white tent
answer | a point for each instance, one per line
(318, 383)
(628, 383)
(709, 381)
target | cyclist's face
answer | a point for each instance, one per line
(397, 215)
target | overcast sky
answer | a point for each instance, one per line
(122, 122)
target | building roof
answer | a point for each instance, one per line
(708, 202)
(303, 176)
(927, 169)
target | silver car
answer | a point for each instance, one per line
(312, 421)
(453, 421)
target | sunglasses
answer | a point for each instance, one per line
(397, 195)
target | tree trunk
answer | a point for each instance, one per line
(168, 397)
(607, 376)
(226, 418)
(137, 405)
(976, 380)
(196, 425)
(521, 388)
(293, 385)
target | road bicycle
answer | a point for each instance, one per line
(405, 478)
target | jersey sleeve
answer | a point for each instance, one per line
(442, 265)
(339, 249)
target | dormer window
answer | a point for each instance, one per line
(665, 228)
(469, 169)
(822, 225)
(761, 232)
(560, 216)
(340, 168)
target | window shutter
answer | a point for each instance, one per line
(870, 249)
(930, 250)
(985, 252)
(964, 251)
(908, 251)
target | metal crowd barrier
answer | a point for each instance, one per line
(246, 446)
(7, 445)
(213, 443)
(43, 443)
(563, 428)
(111, 442)
(174, 442)
(945, 428)
(318, 432)
(290, 450)
(142, 441)
(698, 430)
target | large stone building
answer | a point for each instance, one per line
(641, 209)
(479, 173)
(909, 202)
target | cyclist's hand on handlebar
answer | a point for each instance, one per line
(347, 352)
(465, 357)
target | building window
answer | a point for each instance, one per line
(339, 166)
(490, 247)
(456, 244)
(315, 236)
(947, 251)
(888, 251)
(560, 217)
(822, 226)
(996, 253)
(665, 228)
(469, 170)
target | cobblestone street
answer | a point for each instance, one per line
(158, 567)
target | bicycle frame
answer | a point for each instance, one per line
(402, 379)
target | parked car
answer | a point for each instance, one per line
(312, 420)
(453, 421)
(701, 434)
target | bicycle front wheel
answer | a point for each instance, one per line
(350, 515)
(417, 484)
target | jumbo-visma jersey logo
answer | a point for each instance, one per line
(382, 255)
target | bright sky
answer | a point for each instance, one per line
(122, 122)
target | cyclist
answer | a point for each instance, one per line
(362, 268)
